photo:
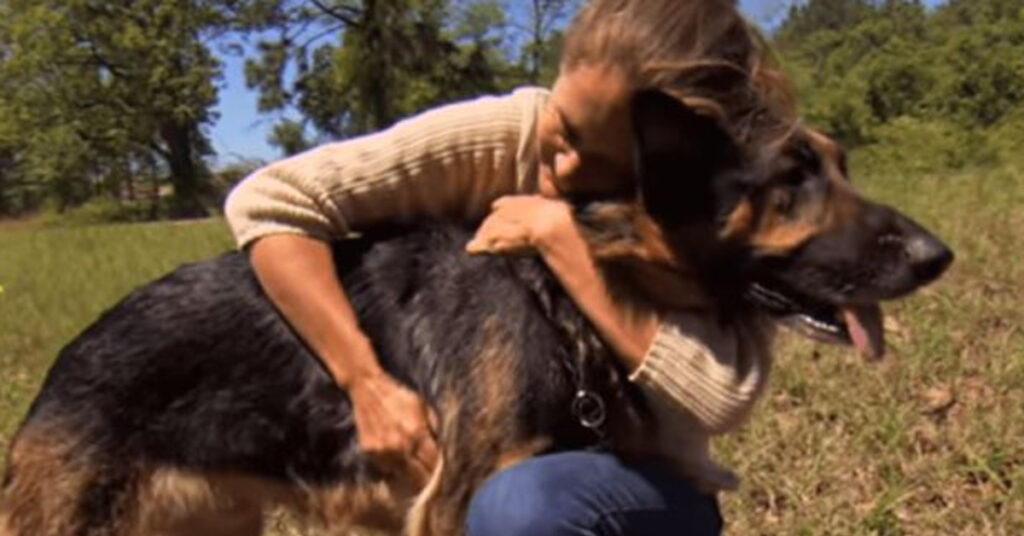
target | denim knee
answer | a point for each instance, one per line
(589, 494)
(519, 501)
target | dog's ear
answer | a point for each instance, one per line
(678, 154)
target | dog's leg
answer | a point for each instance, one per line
(58, 485)
(55, 488)
(40, 490)
(179, 503)
(240, 520)
(377, 505)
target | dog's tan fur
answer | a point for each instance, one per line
(43, 484)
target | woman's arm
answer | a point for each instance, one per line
(629, 331)
(298, 274)
(448, 162)
(686, 361)
(546, 225)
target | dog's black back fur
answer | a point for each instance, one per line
(197, 370)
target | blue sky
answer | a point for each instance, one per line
(241, 132)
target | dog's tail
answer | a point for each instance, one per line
(417, 520)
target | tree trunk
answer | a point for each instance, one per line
(378, 94)
(185, 173)
(538, 41)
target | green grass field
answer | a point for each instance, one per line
(56, 281)
(931, 441)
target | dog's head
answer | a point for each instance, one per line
(773, 225)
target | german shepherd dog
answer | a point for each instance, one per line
(190, 407)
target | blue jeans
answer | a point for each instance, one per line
(590, 494)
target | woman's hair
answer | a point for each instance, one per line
(703, 52)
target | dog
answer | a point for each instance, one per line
(191, 407)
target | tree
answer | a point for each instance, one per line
(982, 60)
(290, 137)
(806, 18)
(542, 27)
(13, 192)
(355, 66)
(102, 87)
(361, 65)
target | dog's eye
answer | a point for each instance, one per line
(793, 178)
(783, 199)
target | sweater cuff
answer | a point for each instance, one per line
(713, 371)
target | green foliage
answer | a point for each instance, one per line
(361, 65)
(98, 95)
(539, 54)
(887, 73)
(290, 137)
(982, 77)
(911, 145)
(822, 15)
(96, 211)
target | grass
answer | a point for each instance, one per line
(56, 281)
(931, 441)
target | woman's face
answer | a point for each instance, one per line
(584, 134)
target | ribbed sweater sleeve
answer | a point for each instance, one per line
(450, 162)
(713, 371)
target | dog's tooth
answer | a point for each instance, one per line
(818, 324)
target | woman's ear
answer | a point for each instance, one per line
(678, 155)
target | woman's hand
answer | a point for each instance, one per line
(392, 425)
(522, 224)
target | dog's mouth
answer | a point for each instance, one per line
(858, 325)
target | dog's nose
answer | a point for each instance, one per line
(928, 256)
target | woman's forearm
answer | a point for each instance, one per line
(298, 274)
(627, 330)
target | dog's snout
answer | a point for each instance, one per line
(928, 256)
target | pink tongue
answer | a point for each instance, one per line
(865, 326)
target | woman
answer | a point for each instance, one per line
(515, 156)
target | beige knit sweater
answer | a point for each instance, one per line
(452, 162)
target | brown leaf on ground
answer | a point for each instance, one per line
(938, 400)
